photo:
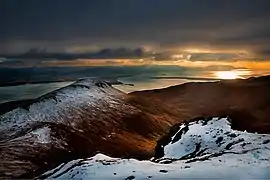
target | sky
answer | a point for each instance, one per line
(207, 32)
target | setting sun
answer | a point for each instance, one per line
(226, 75)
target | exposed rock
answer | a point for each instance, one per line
(130, 178)
(163, 171)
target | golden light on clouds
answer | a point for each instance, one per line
(227, 69)
(214, 50)
(96, 62)
(239, 64)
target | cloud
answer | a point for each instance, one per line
(107, 53)
(222, 68)
(216, 56)
(263, 53)
(60, 25)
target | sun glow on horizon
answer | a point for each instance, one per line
(226, 75)
(233, 74)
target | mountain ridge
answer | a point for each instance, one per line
(82, 119)
(240, 99)
(90, 117)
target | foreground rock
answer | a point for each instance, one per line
(199, 149)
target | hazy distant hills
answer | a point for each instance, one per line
(90, 117)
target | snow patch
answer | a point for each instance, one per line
(213, 137)
(42, 134)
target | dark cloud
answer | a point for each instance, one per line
(59, 25)
(107, 53)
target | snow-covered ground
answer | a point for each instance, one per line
(201, 149)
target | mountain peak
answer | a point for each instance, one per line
(90, 82)
(90, 93)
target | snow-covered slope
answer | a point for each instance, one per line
(77, 121)
(61, 106)
(73, 122)
(199, 149)
(203, 139)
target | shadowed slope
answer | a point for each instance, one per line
(247, 102)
